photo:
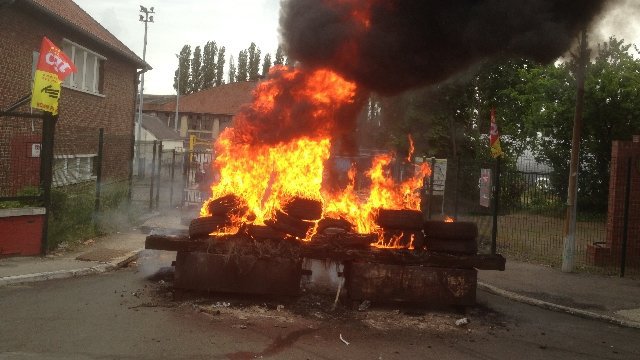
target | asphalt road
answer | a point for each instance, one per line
(121, 315)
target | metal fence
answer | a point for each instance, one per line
(531, 217)
(160, 176)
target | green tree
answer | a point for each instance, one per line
(184, 64)
(220, 67)
(242, 67)
(279, 59)
(209, 66)
(195, 81)
(266, 65)
(232, 70)
(253, 62)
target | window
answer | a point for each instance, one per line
(89, 65)
(73, 169)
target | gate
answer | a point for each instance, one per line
(26, 156)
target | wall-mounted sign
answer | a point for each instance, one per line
(35, 150)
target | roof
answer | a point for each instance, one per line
(225, 99)
(158, 128)
(71, 14)
(157, 102)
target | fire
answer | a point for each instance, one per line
(267, 174)
(448, 219)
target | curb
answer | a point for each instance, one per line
(555, 307)
(65, 274)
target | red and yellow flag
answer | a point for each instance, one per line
(494, 136)
(53, 67)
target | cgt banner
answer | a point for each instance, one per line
(53, 67)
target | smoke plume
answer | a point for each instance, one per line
(391, 45)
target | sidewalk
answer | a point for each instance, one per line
(608, 298)
(93, 256)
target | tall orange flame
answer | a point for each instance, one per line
(267, 174)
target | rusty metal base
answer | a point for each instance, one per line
(237, 274)
(411, 284)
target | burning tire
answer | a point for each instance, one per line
(227, 205)
(290, 225)
(459, 230)
(203, 226)
(334, 224)
(304, 209)
(400, 219)
(262, 232)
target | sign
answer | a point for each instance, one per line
(193, 197)
(53, 67)
(485, 187)
(494, 136)
(439, 176)
(35, 150)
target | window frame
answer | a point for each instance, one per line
(96, 87)
(73, 171)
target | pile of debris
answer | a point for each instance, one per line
(420, 262)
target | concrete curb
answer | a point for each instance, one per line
(555, 307)
(65, 274)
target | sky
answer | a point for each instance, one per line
(235, 24)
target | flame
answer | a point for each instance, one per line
(448, 219)
(412, 148)
(267, 175)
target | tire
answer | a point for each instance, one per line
(203, 226)
(458, 230)
(227, 205)
(466, 247)
(403, 238)
(263, 232)
(330, 223)
(290, 225)
(304, 209)
(400, 219)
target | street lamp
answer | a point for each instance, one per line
(178, 91)
(145, 19)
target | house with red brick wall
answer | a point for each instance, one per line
(102, 94)
(204, 114)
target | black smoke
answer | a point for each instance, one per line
(409, 43)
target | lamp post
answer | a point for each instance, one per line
(178, 91)
(145, 19)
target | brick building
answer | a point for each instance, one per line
(102, 94)
(205, 113)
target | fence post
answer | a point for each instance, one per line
(99, 169)
(173, 170)
(455, 196)
(431, 178)
(186, 164)
(496, 205)
(625, 228)
(158, 174)
(153, 171)
(46, 172)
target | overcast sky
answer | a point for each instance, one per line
(235, 24)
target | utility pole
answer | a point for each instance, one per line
(569, 249)
(145, 19)
(178, 90)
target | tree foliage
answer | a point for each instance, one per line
(243, 66)
(209, 65)
(184, 65)
(232, 70)
(195, 80)
(220, 67)
(266, 65)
